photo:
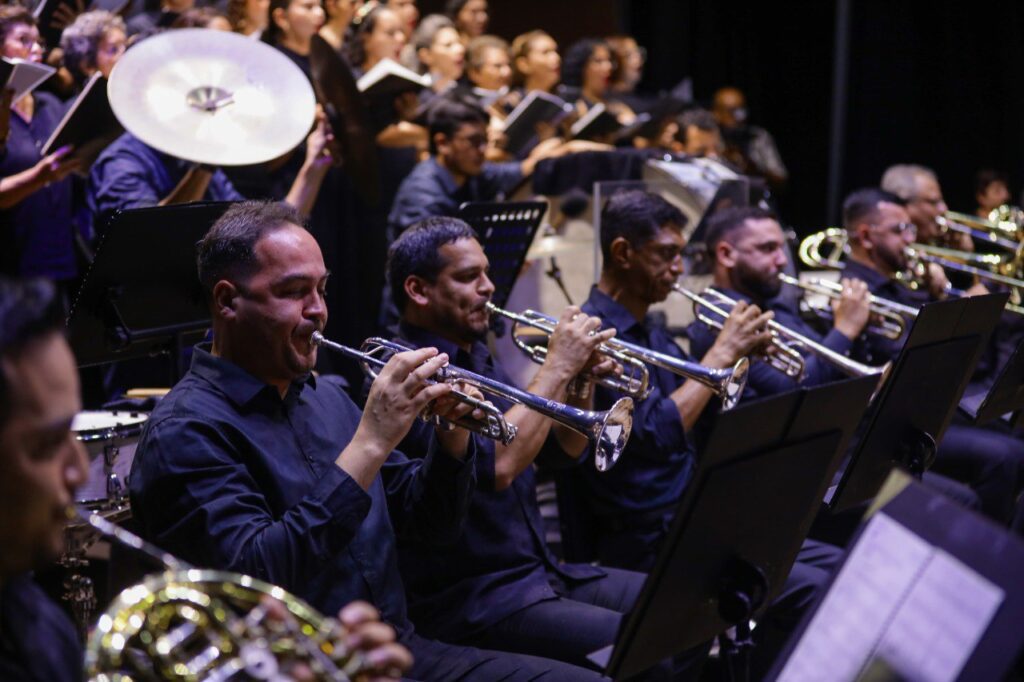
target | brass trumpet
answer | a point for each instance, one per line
(728, 384)
(192, 624)
(607, 431)
(890, 316)
(782, 353)
(634, 380)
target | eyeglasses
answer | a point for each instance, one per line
(472, 140)
(898, 228)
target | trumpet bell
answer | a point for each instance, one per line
(611, 432)
(734, 383)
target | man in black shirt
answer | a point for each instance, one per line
(41, 465)
(253, 464)
(500, 586)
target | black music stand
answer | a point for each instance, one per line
(141, 295)
(736, 535)
(918, 589)
(914, 408)
(506, 230)
(1005, 396)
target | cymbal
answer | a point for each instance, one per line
(554, 245)
(212, 97)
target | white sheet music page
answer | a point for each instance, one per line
(899, 598)
(941, 621)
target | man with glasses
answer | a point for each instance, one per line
(880, 227)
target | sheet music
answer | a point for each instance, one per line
(900, 598)
(949, 608)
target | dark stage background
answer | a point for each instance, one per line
(939, 82)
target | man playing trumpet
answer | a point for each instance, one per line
(499, 586)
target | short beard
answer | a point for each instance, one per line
(756, 284)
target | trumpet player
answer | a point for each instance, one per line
(254, 465)
(880, 227)
(41, 466)
(746, 248)
(631, 506)
(499, 586)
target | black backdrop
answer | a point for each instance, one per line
(938, 82)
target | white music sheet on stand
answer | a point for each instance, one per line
(899, 597)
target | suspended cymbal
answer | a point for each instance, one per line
(212, 97)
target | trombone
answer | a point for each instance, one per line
(634, 380)
(607, 431)
(889, 316)
(728, 384)
(782, 352)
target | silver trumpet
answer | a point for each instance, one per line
(607, 431)
(728, 384)
(634, 380)
(783, 352)
(889, 317)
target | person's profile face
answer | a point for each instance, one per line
(110, 48)
(22, 42)
(656, 265)
(542, 63)
(597, 75)
(495, 71)
(386, 39)
(467, 149)
(41, 461)
(447, 54)
(456, 300)
(757, 257)
(303, 19)
(472, 18)
(278, 308)
(995, 195)
(926, 205)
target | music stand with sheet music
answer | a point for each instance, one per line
(912, 411)
(141, 295)
(1005, 396)
(929, 591)
(506, 230)
(735, 535)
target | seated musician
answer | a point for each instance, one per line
(457, 171)
(41, 465)
(499, 586)
(252, 464)
(632, 504)
(879, 228)
(747, 252)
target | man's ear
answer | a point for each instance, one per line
(725, 254)
(862, 231)
(225, 295)
(442, 144)
(416, 290)
(620, 253)
(423, 54)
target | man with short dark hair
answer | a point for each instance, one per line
(500, 586)
(746, 248)
(41, 465)
(252, 464)
(698, 134)
(879, 229)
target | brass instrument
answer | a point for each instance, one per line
(194, 624)
(826, 249)
(782, 353)
(889, 316)
(607, 431)
(728, 384)
(634, 380)
(978, 229)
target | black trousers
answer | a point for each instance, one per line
(584, 618)
(990, 463)
(439, 662)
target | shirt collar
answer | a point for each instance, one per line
(422, 338)
(236, 383)
(869, 276)
(444, 176)
(612, 311)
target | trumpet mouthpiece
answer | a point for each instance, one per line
(316, 338)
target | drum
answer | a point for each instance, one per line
(110, 439)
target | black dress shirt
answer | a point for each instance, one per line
(501, 563)
(659, 459)
(228, 475)
(37, 640)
